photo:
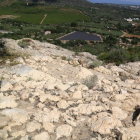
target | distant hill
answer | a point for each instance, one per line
(49, 2)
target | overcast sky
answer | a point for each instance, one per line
(135, 2)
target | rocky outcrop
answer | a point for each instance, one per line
(47, 98)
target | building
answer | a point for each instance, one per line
(47, 32)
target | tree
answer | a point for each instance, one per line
(74, 24)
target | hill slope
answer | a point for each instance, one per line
(47, 98)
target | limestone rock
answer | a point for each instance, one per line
(63, 130)
(5, 85)
(62, 87)
(32, 126)
(81, 61)
(3, 134)
(118, 113)
(25, 138)
(130, 103)
(62, 104)
(108, 88)
(77, 95)
(7, 102)
(132, 133)
(86, 109)
(42, 136)
(43, 97)
(84, 73)
(103, 70)
(53, 116)
(17, 115)
(103, 123)
(19, 133)
(49, 127)
(26, 71)
(3, 121)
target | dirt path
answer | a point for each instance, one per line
(43, 19)
(123, 34)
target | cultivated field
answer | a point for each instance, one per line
(34, 14)
(130, 35)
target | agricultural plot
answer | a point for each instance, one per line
(106, 32)
(35, 14)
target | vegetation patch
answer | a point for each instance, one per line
(91, 82)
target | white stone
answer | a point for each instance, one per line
(25, 138)
(7, 102)
(16, 114)
(108, 88)
(42, 136)
(32, 126)
(19, 133)
(53, 116)
(84, 73)
(62, 104)
(62, 86)
(103, 123)
(43, 97)
(5, 85)
(86, 109)
(49, 127)
(63, 130)
(123, 91)
(3, 134)
(118, 113)
(77, 95)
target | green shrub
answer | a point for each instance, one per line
(23, 44)
(95, 63)
(63, 57)
(90, 82)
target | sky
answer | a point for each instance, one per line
(134, 2)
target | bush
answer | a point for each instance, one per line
(91, 82)
(63, 57)
(74, 24)
(95, 63)
(23, 44)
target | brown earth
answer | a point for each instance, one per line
(8, 16)
(130, 35)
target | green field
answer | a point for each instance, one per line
(106, 32)
(34, 14)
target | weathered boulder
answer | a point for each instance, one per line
(104, 122)
(5, 85)
(3, 134)
(118, 113)
(86, 109)
(7, 102)
(49, 127)
(84, 73)
(42, 136)
(17, 115)
(53, 116)
(131, 102)
(32, 126)
(62, 104)
(26, 71)
(63, 130)
(77, 95)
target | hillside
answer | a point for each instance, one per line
(49, 93)
(49, 2)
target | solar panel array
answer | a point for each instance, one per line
(81, 35)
